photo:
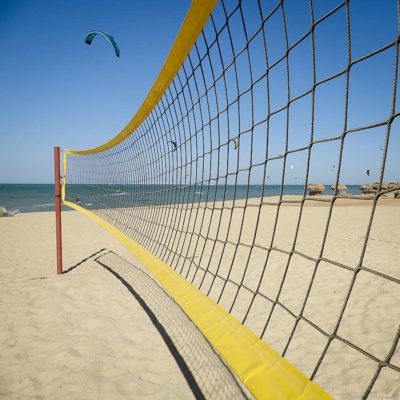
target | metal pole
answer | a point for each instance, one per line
(57, 193)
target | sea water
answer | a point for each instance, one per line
(40, 197)
(27, 197)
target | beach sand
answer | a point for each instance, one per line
(225, 242)
(80, 335)
(71, 335)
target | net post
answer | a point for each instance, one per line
(57, 194)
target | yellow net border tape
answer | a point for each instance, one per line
(64, 176)
(264, 372)
(195, 19)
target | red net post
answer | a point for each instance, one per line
(57, 193)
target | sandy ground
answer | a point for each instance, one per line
(325, 299)
(79, 336)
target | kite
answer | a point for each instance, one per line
(235, 143)
(89, 37)
(173, 144)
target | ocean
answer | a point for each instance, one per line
(40, 197)
(28, 197)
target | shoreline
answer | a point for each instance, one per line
(40, 197)
(287, 200)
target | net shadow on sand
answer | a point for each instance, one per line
(72, 267)
(204, 371)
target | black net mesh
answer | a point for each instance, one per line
(221, 182)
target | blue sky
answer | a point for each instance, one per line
(56, 90)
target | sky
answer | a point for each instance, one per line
(56, 90)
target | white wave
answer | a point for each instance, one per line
(117, 194)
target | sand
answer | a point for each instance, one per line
(226, 242)
(55, 328)
(79, 336)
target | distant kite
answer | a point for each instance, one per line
(89, 37)
(382, 148)
(173, 144)
(291, 166)
(368, 171)
(235, 143)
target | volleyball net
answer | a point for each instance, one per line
(215, 187)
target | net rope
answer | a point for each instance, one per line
(214, 182)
